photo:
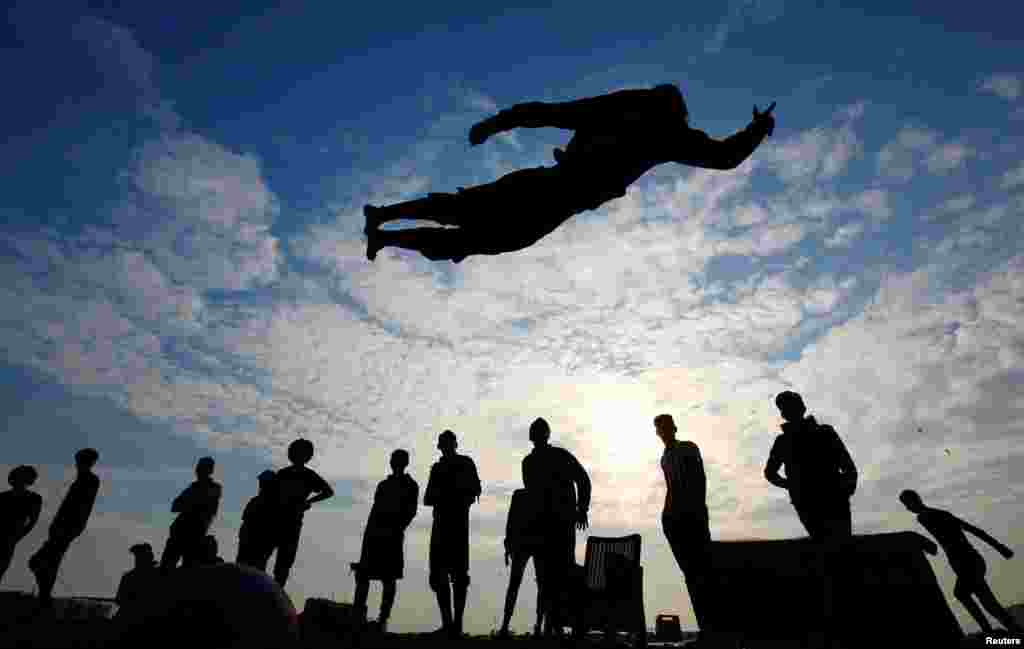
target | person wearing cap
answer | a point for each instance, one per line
(196, 507)
(256, 536)
(19, 512)
(135, 583)
(452, 488)
(67, 525)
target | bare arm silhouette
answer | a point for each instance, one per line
(771, 469)
(583, 489)
(31, 519)
(700, 150)
(324, 494)
(847, 469)
(430, 494)
(695, 467)
(410, 505)
(984, 536)
(615, 107)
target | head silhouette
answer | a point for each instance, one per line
(266, 479)
(665, 428)
(204, 467)
(22, 476)
(447, 443)
(399, 461)
(143, 553)
(911, 500)
(540, 431)
(86, 458)
(790, 405)
(300, 451)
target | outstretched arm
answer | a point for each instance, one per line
(622, 105)
(700, 150)
(984, 536)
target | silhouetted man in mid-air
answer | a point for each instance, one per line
(196, 507)
(452, 488)
(383, 554)
(297, 488)
(19, 512)
(256, 535)
(820, 474)
(561, 487)
(966, 561)
(618, 138)
(684, 518)
(67, 525)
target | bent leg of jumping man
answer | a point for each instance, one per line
(433, 243)
(436, 206)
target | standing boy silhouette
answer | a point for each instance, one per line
(966, 561)
(19, 512)
(297, 487)
(67, 525)
(256, 536)
(382, 556)
(196, 507)
(452, 488)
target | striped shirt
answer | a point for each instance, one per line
(685, 482)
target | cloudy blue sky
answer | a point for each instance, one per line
(182, 267)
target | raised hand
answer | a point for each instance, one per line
(765, 118)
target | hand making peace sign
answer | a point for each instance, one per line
(765, 118)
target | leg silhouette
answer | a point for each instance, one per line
(387, 601)
(444, 602)
(964, 595)
(359, 601)
(459, 592)
(286, 552)
(515, 578)
(988, 600)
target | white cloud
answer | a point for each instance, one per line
(896, 159)
(844, 235)
(818, 154)
(1004, 85)
(948, 157)
(874, 203)
(119, 57)
(958, 203)
(739, 15)
(1013, 178)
